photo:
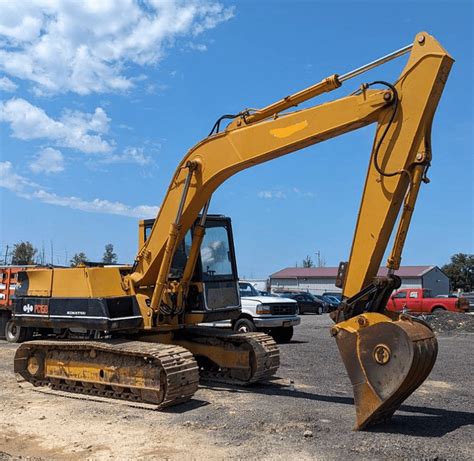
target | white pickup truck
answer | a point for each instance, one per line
(270, 314)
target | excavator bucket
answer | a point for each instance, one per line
(387, 358)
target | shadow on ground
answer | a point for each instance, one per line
(428, 422)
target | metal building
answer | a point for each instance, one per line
(319, 280)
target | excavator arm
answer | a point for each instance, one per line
(387, 356)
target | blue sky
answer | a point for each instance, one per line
(99, 104)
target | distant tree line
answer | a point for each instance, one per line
(25, 254)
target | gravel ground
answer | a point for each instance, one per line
(451, 322)
(260, 422)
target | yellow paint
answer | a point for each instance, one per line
(99, 373)
(289, 130)
(352, 325)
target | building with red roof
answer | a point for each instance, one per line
(318, 280)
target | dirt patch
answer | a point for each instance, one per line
(430, 387)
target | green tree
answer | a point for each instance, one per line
(109, 256)
(308, 262)
(461, 271)
(78, 258)
(23, 253)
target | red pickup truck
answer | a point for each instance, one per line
(420, 301)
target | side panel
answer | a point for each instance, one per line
(68, 283)
(78, 282)
(104, 314)
(105, 281)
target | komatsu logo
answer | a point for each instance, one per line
(28, 308)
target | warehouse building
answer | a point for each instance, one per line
(318, 280)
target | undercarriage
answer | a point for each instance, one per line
(146, 371)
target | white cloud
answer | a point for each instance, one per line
(96, 205)
(74, 129)
(303, 194)
(7, 85)
(22, 187)
(267, 194)
(85, 46)
(48, 161)
(129, 155)
(12, 181)
(197, 47)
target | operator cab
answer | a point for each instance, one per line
(216, 268)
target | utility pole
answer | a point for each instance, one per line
(321, 260)
(318, 254)
(6, 256)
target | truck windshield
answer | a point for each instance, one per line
(247, 290)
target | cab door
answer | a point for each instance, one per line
(218, 267)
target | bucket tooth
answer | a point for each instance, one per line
(386, 360)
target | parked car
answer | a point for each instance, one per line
(308, 303)
(337, 295)
(273, 315)
(332, 302)
(332, 299)
(419, 301)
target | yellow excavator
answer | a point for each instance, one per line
(133, 333)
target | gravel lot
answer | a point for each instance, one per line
(261, 422)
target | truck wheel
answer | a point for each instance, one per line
(16, 334)
(282, 334)
(437, 310)
(244, 326)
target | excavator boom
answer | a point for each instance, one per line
(400, 157)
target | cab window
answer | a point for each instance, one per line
(148, 229)
(400, 295)
(180, 257)
(215, 253)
